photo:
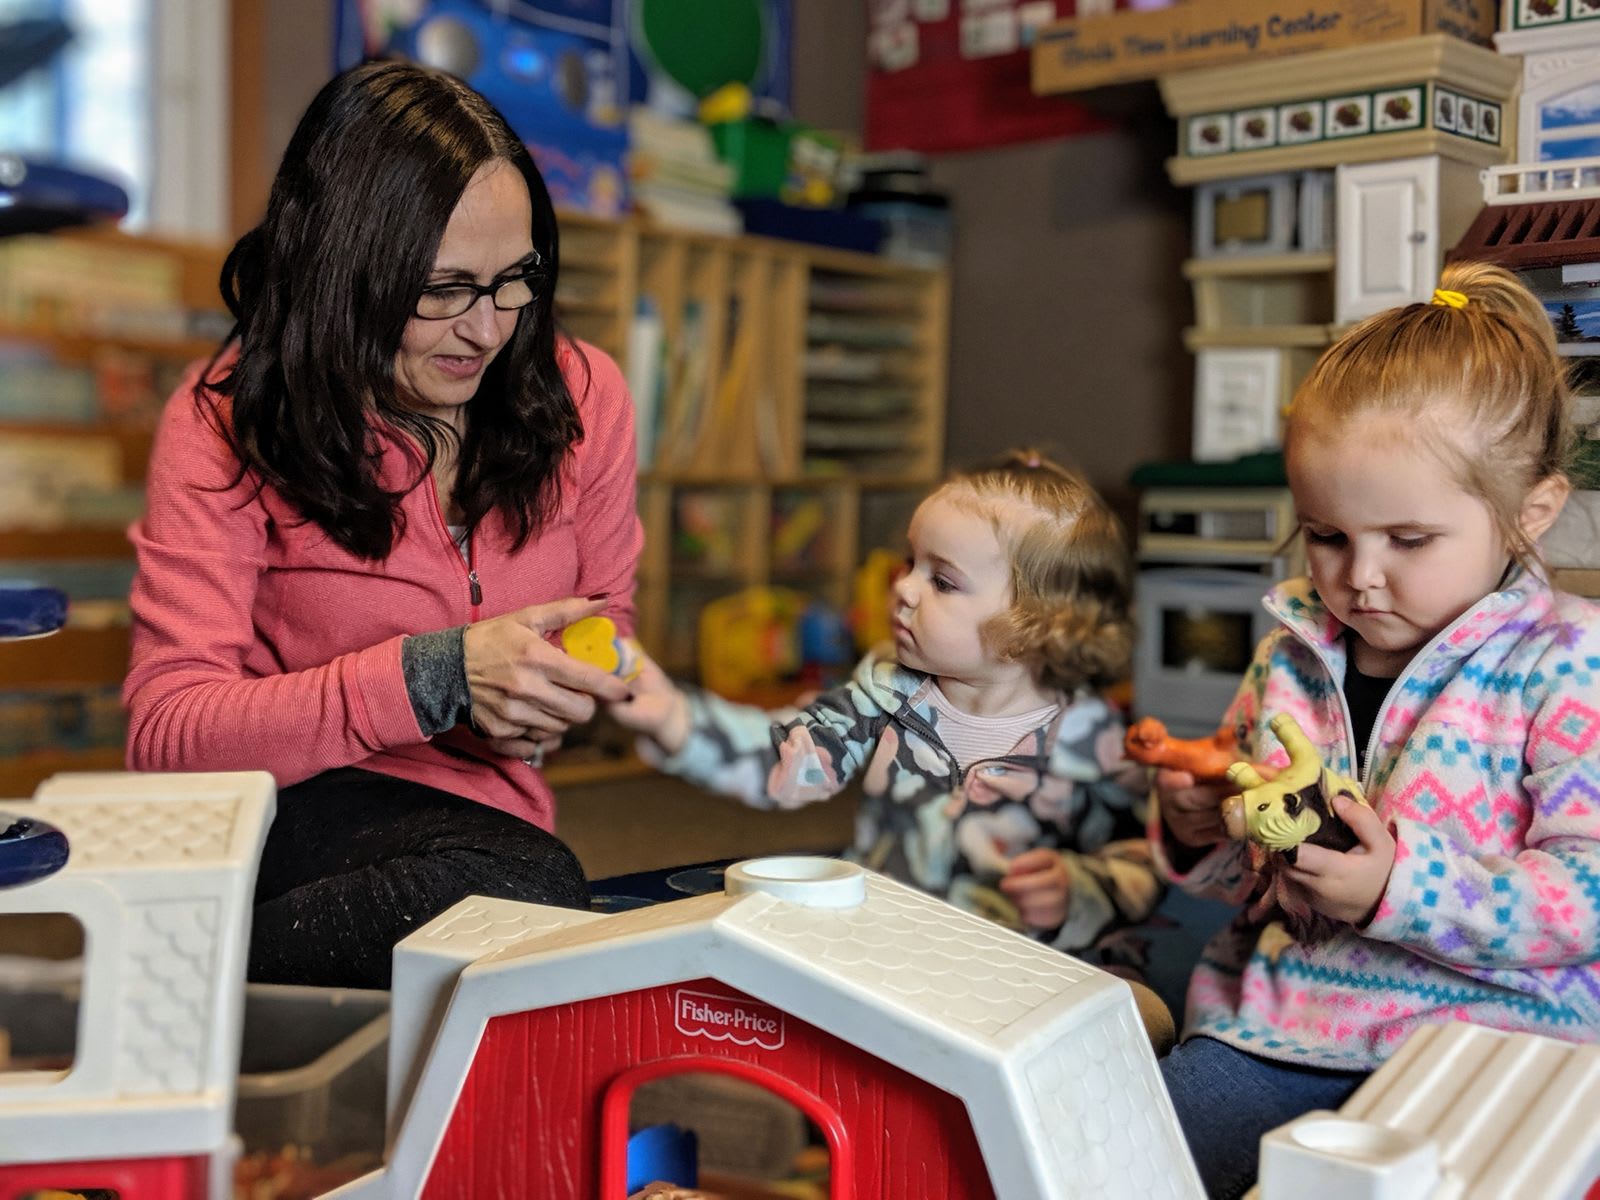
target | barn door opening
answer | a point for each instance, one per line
(725, 1136)
(700, 1128)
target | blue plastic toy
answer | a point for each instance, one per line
(30, 849)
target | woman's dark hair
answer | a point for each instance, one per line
(321, 292)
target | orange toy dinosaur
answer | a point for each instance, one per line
(1207, 758)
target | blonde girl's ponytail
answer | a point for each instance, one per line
(1474, 376)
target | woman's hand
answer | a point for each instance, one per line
(656, 709)
(1347, 886)
(529, 750)
(524, 690)
(1038, 884)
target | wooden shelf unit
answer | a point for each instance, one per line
(84, 664)
(792, 379)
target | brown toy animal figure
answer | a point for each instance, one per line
(1276, 816)
(1207, 758)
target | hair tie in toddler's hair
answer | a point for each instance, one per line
(1031, 460)
(1448, 299)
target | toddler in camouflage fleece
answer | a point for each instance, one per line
(992, 769)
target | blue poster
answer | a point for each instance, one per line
(564, 73)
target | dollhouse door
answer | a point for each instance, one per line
(1388, 249)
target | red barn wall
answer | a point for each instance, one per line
(527, 1122)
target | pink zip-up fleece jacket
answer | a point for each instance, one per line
(1485, 762)
(261, 644)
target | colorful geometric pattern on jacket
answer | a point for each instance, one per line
(1485, 762)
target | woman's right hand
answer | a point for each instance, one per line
(525, 688)
(1192, 812)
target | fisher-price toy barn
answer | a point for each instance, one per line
(942, 1057)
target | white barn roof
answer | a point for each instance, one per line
(1049, 1054)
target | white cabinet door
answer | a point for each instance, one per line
(1237, 397)
(1388, 251)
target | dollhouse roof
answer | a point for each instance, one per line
(1020, 1032)
(1544, 234)
(159, 874)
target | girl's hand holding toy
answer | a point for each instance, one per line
(655, 707)
(1312, 828)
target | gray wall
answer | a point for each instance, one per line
(1068, 302)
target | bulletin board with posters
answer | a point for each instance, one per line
(564, 72)
(947, 75)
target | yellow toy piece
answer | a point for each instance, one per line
(872, 598)
(1297, 805)
(749, 641)
(595, 640)
(730, 102)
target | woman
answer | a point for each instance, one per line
(396, 480)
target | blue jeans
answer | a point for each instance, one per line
(1226, 1099)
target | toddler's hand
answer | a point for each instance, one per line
(1038, 884)
(1192, 812)
(657, 708)
(1348, 886)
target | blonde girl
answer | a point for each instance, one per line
(1428, 655)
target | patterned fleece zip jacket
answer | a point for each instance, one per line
(1484, 761)
(925, 821)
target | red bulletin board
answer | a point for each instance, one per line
(947, 75)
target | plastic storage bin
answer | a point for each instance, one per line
(313, 1071)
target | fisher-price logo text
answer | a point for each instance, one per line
(724, 1019)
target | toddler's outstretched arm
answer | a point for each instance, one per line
(784, 758)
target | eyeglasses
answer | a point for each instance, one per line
(452, 299)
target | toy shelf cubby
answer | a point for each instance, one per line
(788, 387)
(1281, 299)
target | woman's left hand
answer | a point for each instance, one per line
(1348, 886)
(1038, 884)
(530, 748)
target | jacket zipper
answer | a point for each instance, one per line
(469, 567)
(909, 717)
(1364, 777)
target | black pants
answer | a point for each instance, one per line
(355, 861)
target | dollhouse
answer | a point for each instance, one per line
(1541, 219)
(940, 1056)
(159, 875)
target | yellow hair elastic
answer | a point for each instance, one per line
(1448, 299)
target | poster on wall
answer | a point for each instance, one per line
(564, 72)
(946, 75)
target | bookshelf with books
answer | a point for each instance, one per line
(784, 392)
(95, 329)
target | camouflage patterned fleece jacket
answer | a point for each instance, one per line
(925, 821)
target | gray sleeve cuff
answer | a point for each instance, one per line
(435, 669)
